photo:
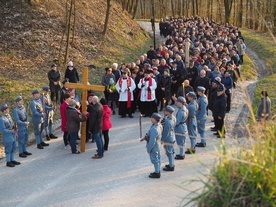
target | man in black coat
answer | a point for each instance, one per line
(54, 83)
(151, 54)
(95, 124)
(192, 72)
(219, 111)
(203, 81)
(166, 88)
(176, 78)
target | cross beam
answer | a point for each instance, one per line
(84, 86)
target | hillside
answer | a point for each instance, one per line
(31, 40)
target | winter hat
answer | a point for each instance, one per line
(70, 64)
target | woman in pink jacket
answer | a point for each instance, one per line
(106, 122)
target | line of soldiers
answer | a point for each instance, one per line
(189, 119)
(16, 129)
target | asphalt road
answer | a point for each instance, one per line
(55, 177)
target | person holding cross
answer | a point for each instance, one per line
(125, 87)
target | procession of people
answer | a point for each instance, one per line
(160, 80)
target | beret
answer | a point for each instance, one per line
(35, 91)
(201, 88)
(18, 98)
(192, 95)
(70, 64)
(45, 88)
(169, 109)
(156, 116)
(181, 99)
(4, 107)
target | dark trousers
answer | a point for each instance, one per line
(66, 138)
(54, 97)
(106, 139)
(228, 101)
(219, 124)
(73, 138)
(123, 110)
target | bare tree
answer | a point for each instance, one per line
(106, 16)
(227, 9)
(68, 32)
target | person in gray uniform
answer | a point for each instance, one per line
(168, 137)
(21, 119)
(201, 115)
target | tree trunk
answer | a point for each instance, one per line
(273, 19)
(135, 9)
(172, 5)
(227, 9)
(106, 17)
(74, 21)
(68, 33)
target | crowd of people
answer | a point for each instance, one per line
(156, 81)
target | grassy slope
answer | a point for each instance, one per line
(31, 36)
(265, 47)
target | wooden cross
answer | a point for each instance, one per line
(84, 86)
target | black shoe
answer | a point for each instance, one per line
(77, 152)
(130, 116)
(179, 157)
(105, 149)
(214, 130)
(53, 136)
(123, 116)
(154, 175)
(47, 137)
(168, 168)
(190, 151)
(22, 155)
(39, 146)
(44, 144)
(10, 164)
(114, 113)
(216, 133)
(201, 144)
(27, 153)
(15, 162)
(161, 109)
(78, 138)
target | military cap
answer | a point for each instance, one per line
(220, 88)
(156, 116)
(18, 98)
(192, 95)
(35, 91)
(4, 107)
(181, 99)
(169, 109)
(45, 88)
(200, 88)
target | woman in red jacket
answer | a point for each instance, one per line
(106, 122)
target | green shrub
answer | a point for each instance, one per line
(245, 177)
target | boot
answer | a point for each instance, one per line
(190, 151)
(27, 153)
(15, 162)
(168, 168)
(154, 175)
(22, 155)
(48, 137)
(10, 164)
(200, 144)
(39, 146)
(179, 157)
(52, 136)
(44, 144)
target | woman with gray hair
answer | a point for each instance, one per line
(73, 124)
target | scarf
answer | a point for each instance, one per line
(128, 92)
